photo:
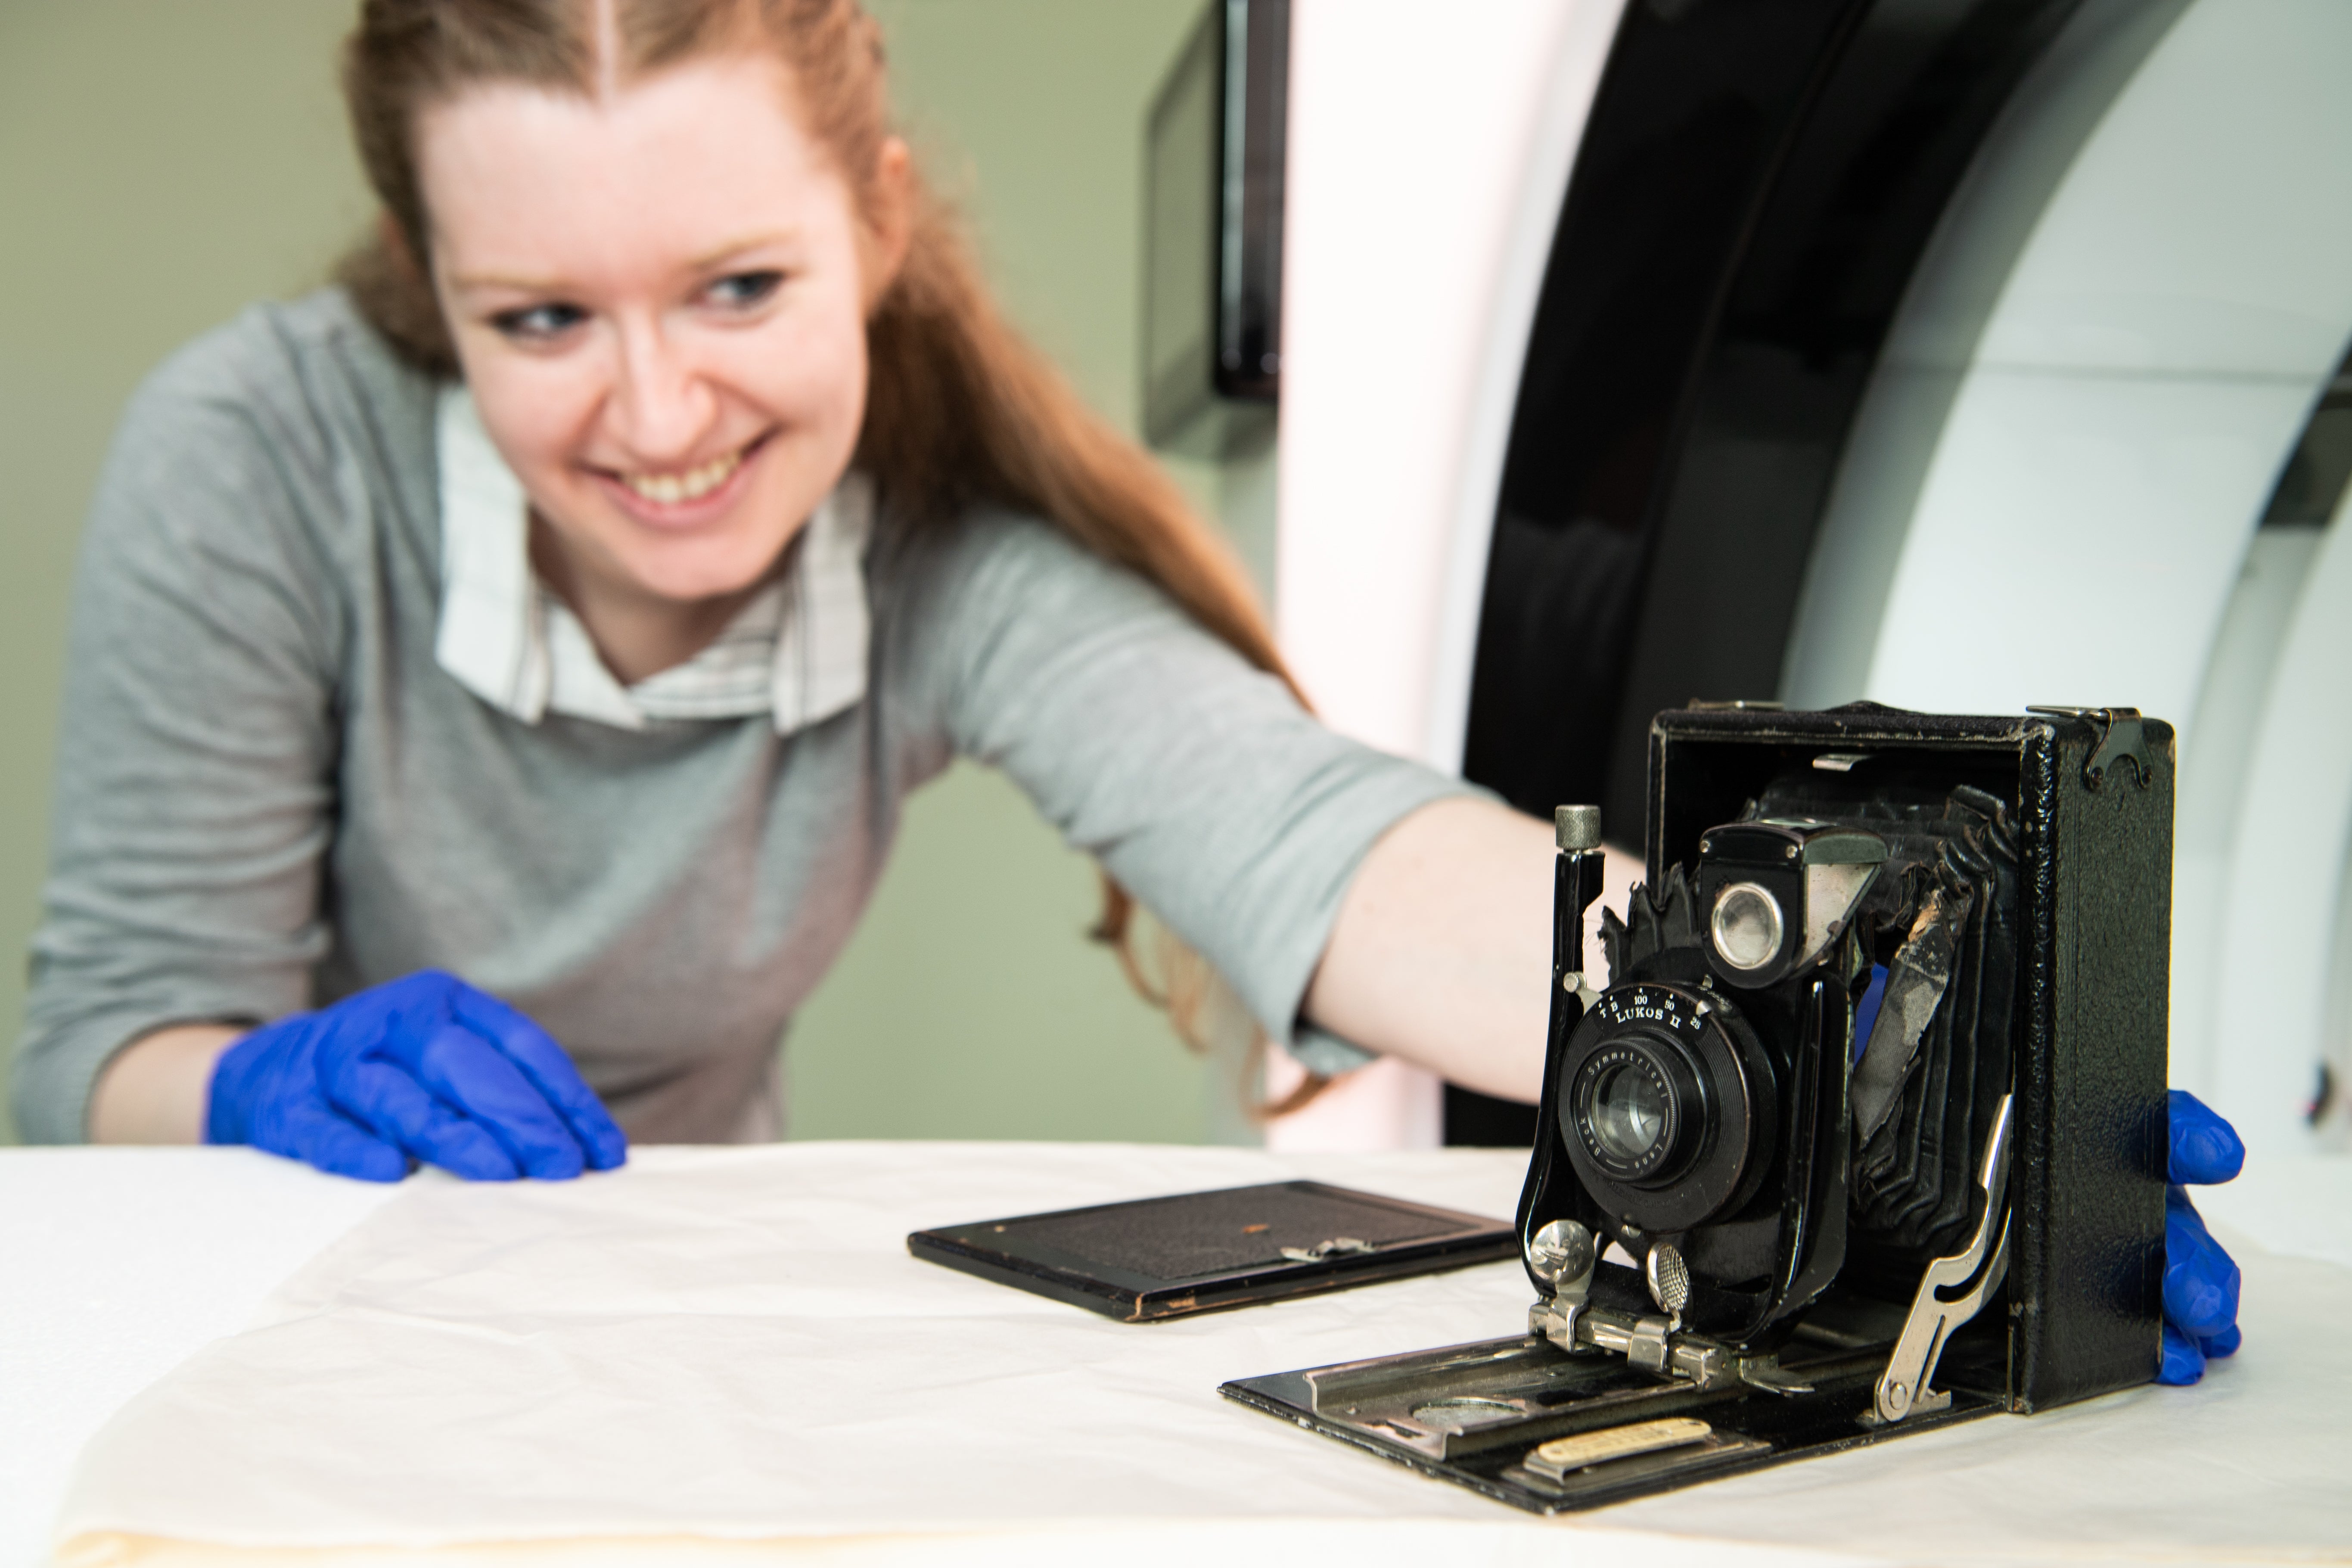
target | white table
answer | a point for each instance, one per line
(115, 1264)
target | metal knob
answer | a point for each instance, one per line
(1668, 1277)
(1561, 1253)
(1578, 828)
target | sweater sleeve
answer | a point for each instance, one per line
(194, 794)
(1197, 781)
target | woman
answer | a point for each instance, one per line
(569, 600)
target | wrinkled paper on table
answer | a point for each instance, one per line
(729, 1355)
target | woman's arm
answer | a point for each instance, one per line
(197, 733)
(153, 1091)
(1442, 952)
(1238, 819)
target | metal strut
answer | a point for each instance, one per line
(1902, 1387)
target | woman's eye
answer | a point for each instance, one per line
(538, 323)
(740, 291)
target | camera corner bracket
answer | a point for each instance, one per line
(2120, 737)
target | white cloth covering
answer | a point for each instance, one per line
(729, 1355)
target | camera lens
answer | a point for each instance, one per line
(1664, 1099)
(1638, 1106)
(1747, 926)
(1629, 1113)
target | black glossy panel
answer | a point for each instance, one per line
(1883, 144)
(1683, 137)
(2311, 487)
(1756, 184)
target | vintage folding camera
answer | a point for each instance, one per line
(1867, 1134)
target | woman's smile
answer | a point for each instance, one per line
(670, 499)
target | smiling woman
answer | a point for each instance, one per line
(775, 223)
(494, 682)
(678, 396)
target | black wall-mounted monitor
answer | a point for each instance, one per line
(1213, 233)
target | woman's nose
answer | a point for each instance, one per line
(661, 405)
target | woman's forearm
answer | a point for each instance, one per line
(154, 1091)
(1442, 952)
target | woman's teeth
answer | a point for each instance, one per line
(669, 490)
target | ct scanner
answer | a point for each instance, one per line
(1958, 354)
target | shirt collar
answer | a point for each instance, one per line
(516, 648)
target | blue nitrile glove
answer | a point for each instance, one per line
(425, 1067)
(2201, 1283)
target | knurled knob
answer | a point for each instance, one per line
(1578, 826)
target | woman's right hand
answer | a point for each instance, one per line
(425, 1067)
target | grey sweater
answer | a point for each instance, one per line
(270, 796)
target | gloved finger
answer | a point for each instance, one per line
(2205, 1149)
(2200, 1282)
(397, 1108)
(534, 1051)
(422, 1034)
(2216, 1346)
(2183, 1363)
(316, 1135)
(476, 1078)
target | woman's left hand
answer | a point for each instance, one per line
(2200, 1282)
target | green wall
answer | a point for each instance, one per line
(161, 163)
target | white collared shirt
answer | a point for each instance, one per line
(797, 651)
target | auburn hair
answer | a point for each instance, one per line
(959, 407)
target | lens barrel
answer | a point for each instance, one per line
(1665, 1101)
(1639, 1108)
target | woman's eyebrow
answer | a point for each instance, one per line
(713, 258)
(732, 248)
(516, 282)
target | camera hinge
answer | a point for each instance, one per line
(1651, 1344)
(2120, 738)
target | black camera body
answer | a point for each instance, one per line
(1866, 1135)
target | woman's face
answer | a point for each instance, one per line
(658, 297)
